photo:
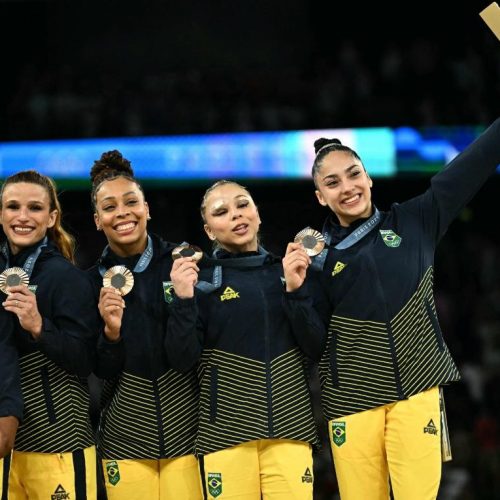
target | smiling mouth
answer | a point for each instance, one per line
(124, 228)
(22, 229)
(352, 200)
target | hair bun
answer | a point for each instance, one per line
(111, 161)
(322, 142)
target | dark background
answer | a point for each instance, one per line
(85, 69)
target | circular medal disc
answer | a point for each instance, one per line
(187, 251)
(119, 277)
(312, 241)
(13, 276)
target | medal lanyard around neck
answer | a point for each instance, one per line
(238, 262)
(142, 263)
(348, 241)
(30, 262)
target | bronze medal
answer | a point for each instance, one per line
(119, 277)
(312, 241)
(187, 251)
(13, 276)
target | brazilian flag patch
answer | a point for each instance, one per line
(113, 472)
(390, 238)
(214, 484)
(338, 433)
(168, 287)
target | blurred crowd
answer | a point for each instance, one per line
(419, 82)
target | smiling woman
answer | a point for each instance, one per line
(54, 331)
(146, 447)
(386, 358)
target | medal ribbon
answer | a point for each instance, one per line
(350, 240)
(30, 262)
(142, 263)
(239, 262)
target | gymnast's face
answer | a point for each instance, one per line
(232, 219)
(26, 214)
(122, 214)
(344, 186)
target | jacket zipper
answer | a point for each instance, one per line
(268, 367)
(161, 438)
(390, 335)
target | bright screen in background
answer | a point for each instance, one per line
(263, 155)
(385, 152)
(426, 150)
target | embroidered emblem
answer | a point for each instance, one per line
(168, 287)
(113, 472)
(339, 266)
(59, 494)
(32, 288)
(229, 294)
(338, 433)
(430, 428)
(215, 484)
(391, 239)
(307, 477)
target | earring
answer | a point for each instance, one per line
(99, 228)
(212, 237)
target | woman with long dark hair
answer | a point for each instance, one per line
(386, 359)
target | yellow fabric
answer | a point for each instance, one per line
(41, 476)
(400, 440)
(276, 469)
(165, 479)
(1, 477)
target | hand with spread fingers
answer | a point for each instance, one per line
(22, 302)
(295, 264)
(184, 276)
(111, 306)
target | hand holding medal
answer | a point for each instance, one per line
(20, 300)
(184, 273)
(117, 281)
(306, 244)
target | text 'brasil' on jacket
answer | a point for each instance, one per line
(149, 410)
(384, 340)
(252, 372)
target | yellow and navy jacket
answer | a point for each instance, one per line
(384, 339)
(54, 368)
(11, 400)
(252, 370)
(149, 411)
